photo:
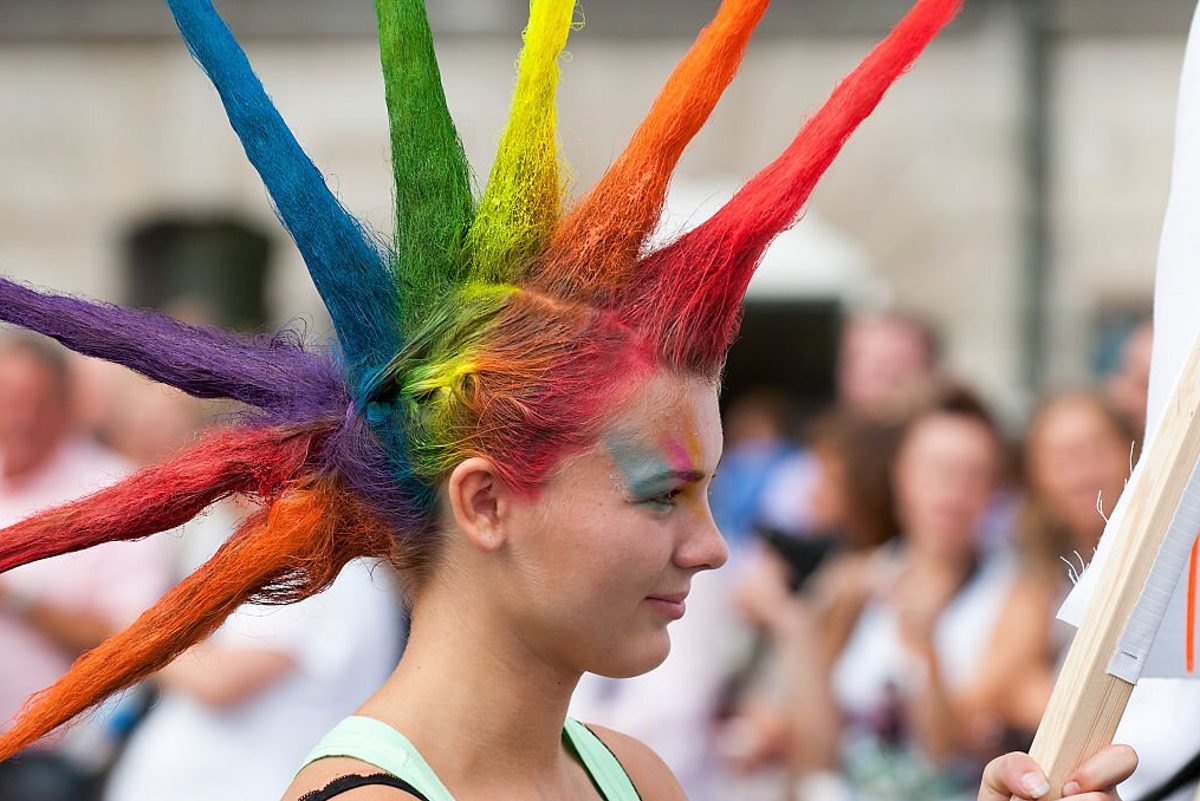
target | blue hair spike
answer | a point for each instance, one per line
(346, 265)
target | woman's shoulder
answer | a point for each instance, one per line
(650, 775)
(319, 774)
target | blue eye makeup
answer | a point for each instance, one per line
(648, 477)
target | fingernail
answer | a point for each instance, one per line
(1035, 784)
(1070, 788)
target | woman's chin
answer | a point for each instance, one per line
(634, 656)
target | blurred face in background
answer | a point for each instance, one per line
(883, 361)
(945, 474)
(1076, 453)
(152, 422)
(34, 409)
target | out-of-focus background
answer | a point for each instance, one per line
(941, 367)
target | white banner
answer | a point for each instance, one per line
(1172, 652)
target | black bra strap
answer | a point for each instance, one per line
(345, 784)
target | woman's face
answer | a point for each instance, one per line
(603, 557)
(1077, 455)
(944, 478)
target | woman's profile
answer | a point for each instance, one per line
(520, 413)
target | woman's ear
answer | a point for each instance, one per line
(476, 499)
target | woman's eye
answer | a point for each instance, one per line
(666, 499)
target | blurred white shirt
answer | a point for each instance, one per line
(116, 581)
(876, 659)
(344, 642)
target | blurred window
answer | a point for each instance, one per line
(211, 271)
(789, 346)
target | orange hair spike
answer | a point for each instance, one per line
(595, 248)
(289, 552)
(688, 295)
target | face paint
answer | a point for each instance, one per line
(686, 459)
(684, 455)
(653, 474)
(643, 469)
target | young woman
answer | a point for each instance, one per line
(1076, 455)
(529, 594)
(520, 414)
(890, 703)
(1077, 458)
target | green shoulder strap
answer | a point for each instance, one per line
(604, 768)
(376, 743)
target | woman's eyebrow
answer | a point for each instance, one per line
(689, 476)
(651, 468)
(662, 480)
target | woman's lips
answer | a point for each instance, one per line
(670, 606)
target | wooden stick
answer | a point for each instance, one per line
(1087, 702)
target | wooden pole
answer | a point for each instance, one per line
(1087, 702)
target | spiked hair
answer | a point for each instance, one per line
(481, 330)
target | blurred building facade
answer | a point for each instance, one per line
(106, 124)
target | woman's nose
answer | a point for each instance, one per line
(705, 548)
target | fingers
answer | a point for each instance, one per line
(1016, 774)
(1108, 768)
(1013, 774)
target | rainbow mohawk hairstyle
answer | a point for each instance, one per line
(482, 329)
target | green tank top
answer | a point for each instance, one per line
(376, 743)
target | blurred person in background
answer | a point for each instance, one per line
(1076, 458)
(888, 363)
(1128, 387)
(897, 711)
(150, 422)
(852, 500)
(97, 396)
(214, 733)
(853, 513)
(759, 445)
(53, 610)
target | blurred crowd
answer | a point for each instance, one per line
(233, 717)
(885, 625)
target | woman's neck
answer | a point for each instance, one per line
(480, 706)
(959, 560)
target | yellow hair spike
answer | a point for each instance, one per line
(523, 198)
